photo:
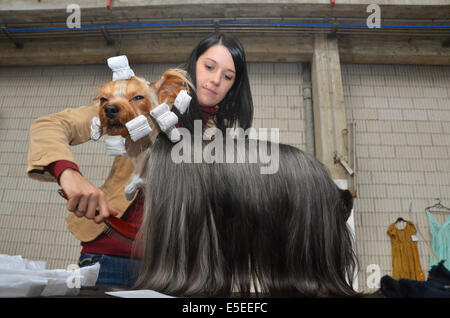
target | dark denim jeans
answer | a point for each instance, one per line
(115, 271)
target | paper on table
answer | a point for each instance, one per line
(144, 293)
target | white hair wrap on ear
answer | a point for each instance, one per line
(135, 184)
(164, 116)
(173, 134)
(166, 121)
(119, 66)
(138, 127)
(96, 130)
(115, 146)
(182, 101)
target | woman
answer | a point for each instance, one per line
(217, 66)
(222, 83)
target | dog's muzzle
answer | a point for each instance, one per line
(111, 111)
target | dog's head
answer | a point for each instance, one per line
(123, 100)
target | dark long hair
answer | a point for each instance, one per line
(237, 106)
(225, 229)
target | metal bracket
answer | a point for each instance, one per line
(19, 45)
(338, 158)
(109, 41)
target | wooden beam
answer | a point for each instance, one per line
(394, 50)
(147, 50)
(328, 104)
(370, 49)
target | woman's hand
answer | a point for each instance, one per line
(84, 198)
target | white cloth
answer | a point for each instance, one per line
(119, 66)
(96, 130)
(166, 121)
(115, 146)
(173, 134)
(135, 184)
(182, 101)
(164, 116)
(21, 277)
(138, 127)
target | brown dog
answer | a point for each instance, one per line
(123, 100)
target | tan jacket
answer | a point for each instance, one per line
(50, 139)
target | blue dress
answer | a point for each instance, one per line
(440, 240)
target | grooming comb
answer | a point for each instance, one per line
(125, 229)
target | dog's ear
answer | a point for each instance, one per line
(346, 203)
(170, 84)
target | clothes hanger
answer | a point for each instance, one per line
(400, 219)
(438, 205)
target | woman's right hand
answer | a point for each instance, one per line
(84, 198)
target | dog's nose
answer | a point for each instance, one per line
(111, 111)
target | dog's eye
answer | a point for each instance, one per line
(138, 97)
(103, 100)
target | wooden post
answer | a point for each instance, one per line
(330, 121)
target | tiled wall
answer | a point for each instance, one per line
(32, 215)
(402, 116)
(278, 100)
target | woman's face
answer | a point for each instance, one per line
(215, 74)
